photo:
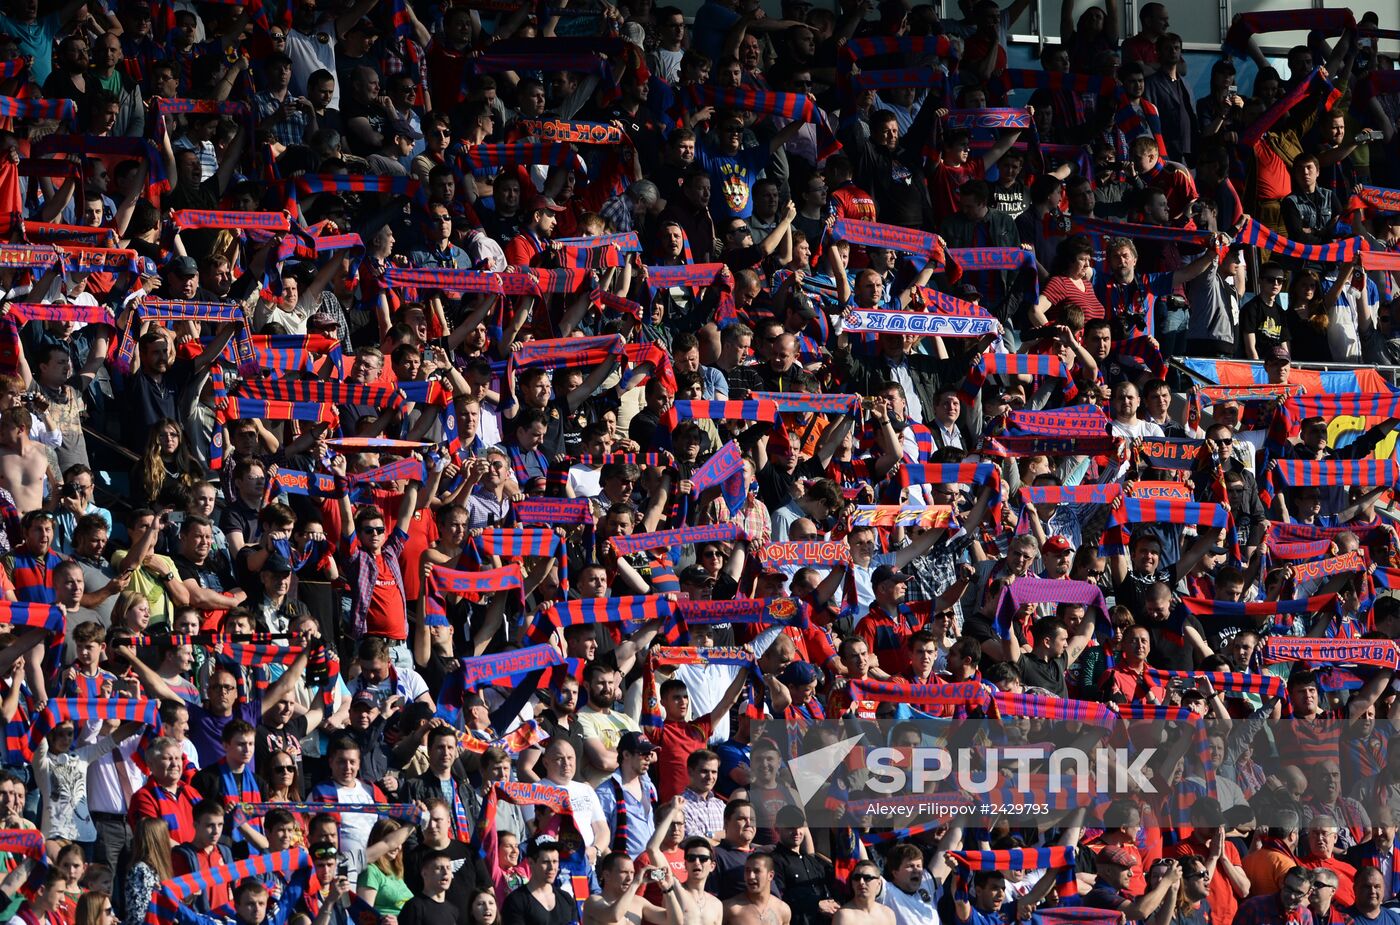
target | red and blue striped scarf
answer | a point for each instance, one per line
(797, 107)
(892, 237)
(79, 314)
(687, 275)
(333, 391)
(1266, 686)
(1246, 25)
(39, 109)
(699, 410)
(1289, 102)
(1257, 235)
(521, 154)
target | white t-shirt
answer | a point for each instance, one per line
(309, 54)
(586, 809)
(917, 908)
(585, 482)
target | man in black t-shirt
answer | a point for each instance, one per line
(430, 905)
(540, 901)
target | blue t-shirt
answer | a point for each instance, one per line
(35, 39)
(732, 177)
(1386, 916)
(712, 23)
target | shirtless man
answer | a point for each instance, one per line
(758, 896)
(865, 907)
(702, 907)
(23, 463)
(618, 902)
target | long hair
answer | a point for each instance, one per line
(91, 908)
(390, 865)
(152, 846)
(293, 794)
(153, 468)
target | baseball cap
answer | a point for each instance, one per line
(541, 203)
(182, 265)
(636, 743)
(324, 851)
(1279, 354)
(364, 699)
(1120, 856)
(1056, 543)
(695, 575)
(277, 563)
(798, 673)
(401, 127)
(887, 573)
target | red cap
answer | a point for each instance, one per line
(540, 203)
(1056, 543)
(1120, 856)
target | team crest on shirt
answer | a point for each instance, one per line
(736, 193)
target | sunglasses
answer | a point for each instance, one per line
(697, 858)
(372, 531)
(865, 878)
(287, 768)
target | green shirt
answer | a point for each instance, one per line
(391, 893)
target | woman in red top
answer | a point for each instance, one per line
(1071, 281)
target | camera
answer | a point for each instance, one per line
(655, 875)
(68, 490)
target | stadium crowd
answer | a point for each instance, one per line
(457, 457)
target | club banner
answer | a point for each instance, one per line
(1060, 225)
(1378, 197)
(556, 512)
(1178, 455)
(725, 470)
(981, 119)
(485, 669)
(706, 655)
(778, 611)
(564, 131)
(1075, 421)
(1353, 561)
(296, 482)
(688, 275)
(810, 402)
(1070, 494)
(486, 581)
(628, 242)
(1382, 653)
(681, 536)
(239, 221)
(926, 324)
(962, 694)
(932, 517)
(809, 552)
